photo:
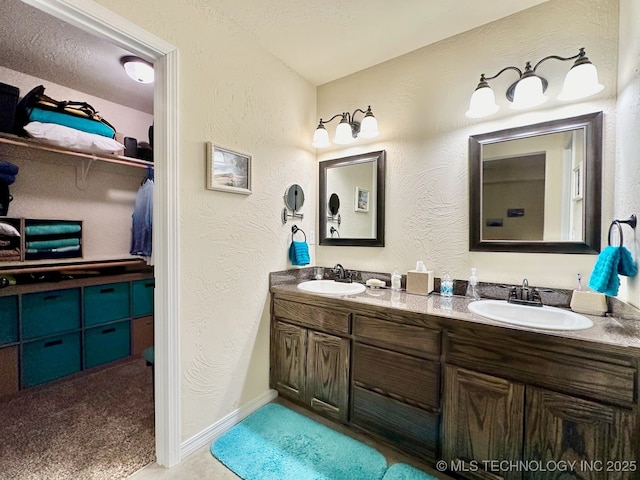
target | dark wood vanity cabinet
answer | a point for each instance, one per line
(311, 366)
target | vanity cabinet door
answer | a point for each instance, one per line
(289, 360)
(483, 419)
(601, 440)
(328, 374)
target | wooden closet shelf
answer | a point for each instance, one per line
(81, 265)
(9, 139)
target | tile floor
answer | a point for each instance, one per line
(202, 464)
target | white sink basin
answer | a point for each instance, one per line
(548, 318)
(330, 287)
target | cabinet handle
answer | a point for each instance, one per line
(51, 297)
(149, 285)
(53, 343)
(107, 290)
(109, 330)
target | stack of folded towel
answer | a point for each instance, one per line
(9, 242)
(611, 262)
(8, 172)
(52, 239)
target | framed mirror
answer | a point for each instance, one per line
(537, 188)
(358, 181)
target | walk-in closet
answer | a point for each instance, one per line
(76, 262)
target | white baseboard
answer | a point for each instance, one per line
(210, 433)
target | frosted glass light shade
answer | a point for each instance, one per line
(580, 82)
(528, 93)
(320, 138)
(344, 134)
(139, 70)
(482, 103)
(369, 127)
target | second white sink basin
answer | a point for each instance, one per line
(331, 287)
(548, 318)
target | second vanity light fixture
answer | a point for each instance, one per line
(348, 129)
(528, 91)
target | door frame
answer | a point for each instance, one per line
(101, 22)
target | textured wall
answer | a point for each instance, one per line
(419, 100)
(236, 95)
(627, 199)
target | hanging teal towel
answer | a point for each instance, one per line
(611, 262)
(299, 253)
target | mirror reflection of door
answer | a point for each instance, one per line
(530, 188)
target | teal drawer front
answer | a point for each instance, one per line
(106, 303)
(8, 319)
(106, 343)
(50, 358)
(48, 313)
(143, 297)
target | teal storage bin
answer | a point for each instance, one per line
(50, 358)
(106, 303)
(143, 297)
(8, 319)
(48, 313)
(107, 343)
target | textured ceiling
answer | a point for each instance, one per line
(322, 40)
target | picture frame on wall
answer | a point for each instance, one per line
(361, 200)
(577, 181)
(228, 170)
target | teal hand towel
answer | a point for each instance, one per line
(299, 253)
(611, 262)
(62, 242)
(626, 265)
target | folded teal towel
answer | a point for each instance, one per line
(299, 253)
(79, 123)
(611, 262)
(54, 250)
(51, 228)
(62, 242)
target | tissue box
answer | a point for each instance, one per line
(590, 303)
(420, 283)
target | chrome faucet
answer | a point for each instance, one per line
(340, 274)
(527, 296)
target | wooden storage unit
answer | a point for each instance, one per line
(13, 251)
(66, 330)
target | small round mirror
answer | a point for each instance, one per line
(334, 204)
(294, 197)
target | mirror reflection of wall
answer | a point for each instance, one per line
(343, 182)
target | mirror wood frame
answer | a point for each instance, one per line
(378, 240)
(592, 125)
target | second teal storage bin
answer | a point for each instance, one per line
(143, 297)
(106, 303)
(49, 313)
(8, 319)
(107, 343)
(50, 358)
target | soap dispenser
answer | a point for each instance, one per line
(472, 286)
(396, 280)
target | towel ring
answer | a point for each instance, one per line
(295, 230)
(616, 223)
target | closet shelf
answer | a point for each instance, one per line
(9, 139)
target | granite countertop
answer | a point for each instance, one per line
(607, 330)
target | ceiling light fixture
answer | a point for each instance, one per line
(528, 91)
(138, 69)
(348, 129)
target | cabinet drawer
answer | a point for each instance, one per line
(51, 358)
(48, 313)
(106, 343)
(143, 297)
(418, 341)
(319, 318)
(106, 303)
(141, 334)
(409, 428)
(8, 370)
(400, 376)
(586, 375)
(8, 319)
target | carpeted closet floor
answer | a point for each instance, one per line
(97, 426)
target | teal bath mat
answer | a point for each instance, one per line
(275, 443)
(402, 471)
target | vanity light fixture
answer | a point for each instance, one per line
(348, 129)
(528, 91)
(138, 69)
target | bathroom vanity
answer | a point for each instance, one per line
(428, 377)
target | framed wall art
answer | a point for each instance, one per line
(362, 200)
(227, 170)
